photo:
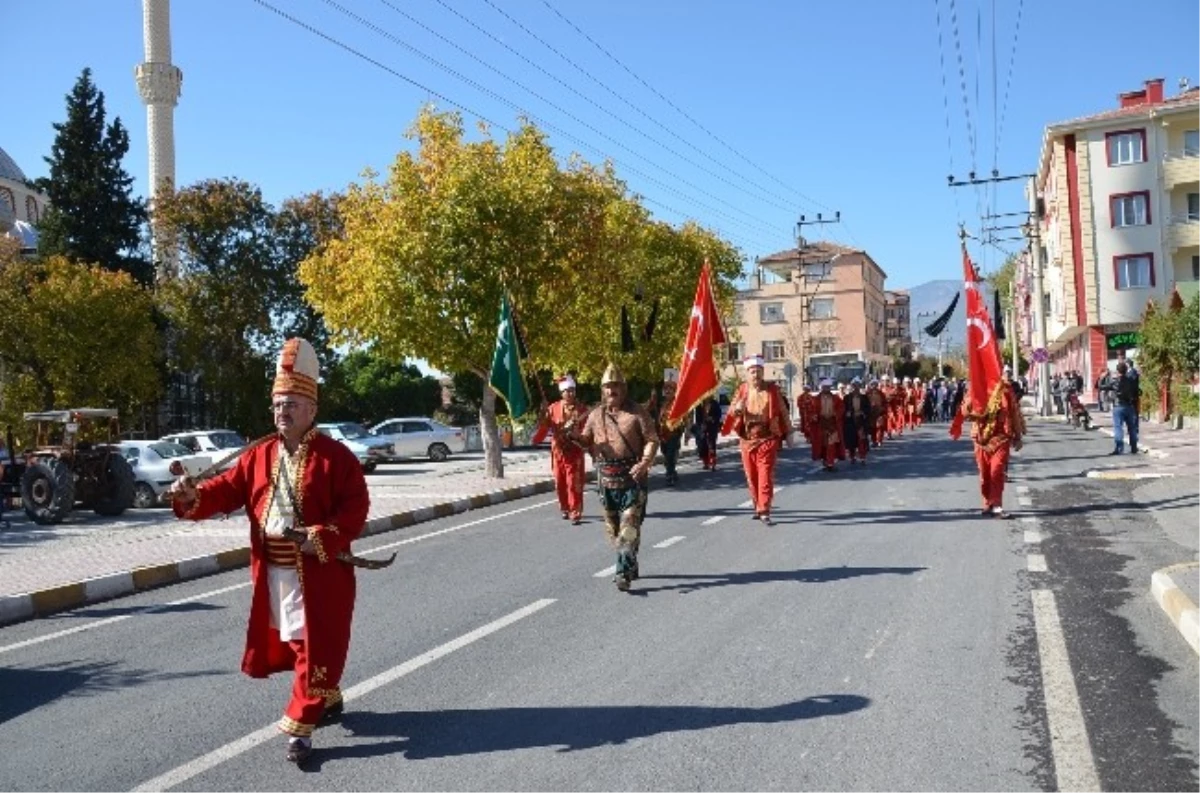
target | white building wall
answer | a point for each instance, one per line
(1126, 305)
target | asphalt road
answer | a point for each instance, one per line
(880, 636)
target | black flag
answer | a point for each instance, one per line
(936, 327)
(626, 331)
(650, 323)
(998, 316)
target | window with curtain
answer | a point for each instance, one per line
(1135, 272)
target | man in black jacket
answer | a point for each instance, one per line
(1125, 410)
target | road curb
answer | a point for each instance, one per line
(44, 602)
(1114, 473)
(1178, 606)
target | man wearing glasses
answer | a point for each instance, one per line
(307, 500)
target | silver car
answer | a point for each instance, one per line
(151, 462)
(416, 436)
(369, 450)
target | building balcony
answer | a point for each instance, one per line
(1180, 168)
(1183, 231)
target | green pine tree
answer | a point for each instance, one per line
(93, 217)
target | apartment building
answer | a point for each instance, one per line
(897, 323)
(1118, 197)
(817, 299)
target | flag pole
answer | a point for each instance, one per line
(521, 338)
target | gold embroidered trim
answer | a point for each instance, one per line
(314, 536)
(295, 728)
(326, 693)
(334, 698)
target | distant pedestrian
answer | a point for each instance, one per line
(567, 461)
(1124, 410)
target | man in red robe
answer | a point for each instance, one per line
(827, 427)
(566, 416)
(998, 429)
(307, 500)
(805, 405)
(895, 406)
(879, 412)
(759, 416)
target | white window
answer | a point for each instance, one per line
(1135, 272)
(820, 271)
(770, 312)
(823, 344)
(1130, 210)
(1125, 148)
(1191, 142)
(772, 351)
(821, 308)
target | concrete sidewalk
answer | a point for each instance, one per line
(46, 569)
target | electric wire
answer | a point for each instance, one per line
(430, 91)
(581, 95)
(1008, 78)
(757, 225)
(937, 12)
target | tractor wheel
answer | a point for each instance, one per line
(117, 495)
(48, 491)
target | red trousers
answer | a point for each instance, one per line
(758, 460)
(303, 710)
(568, 480)
(879, 430)
(895, 422)
(992, 467)
(825, 449)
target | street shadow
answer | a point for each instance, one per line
(27, 689)
(818, 575)
(421, 735)
(173, 608)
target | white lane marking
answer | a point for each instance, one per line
(1022, 489)
(1029, 519)
(606, 572)
(667, 543)
(1036, 563)
(875, 646)
(778, 488)
(1025, 501)
(745, 504)
(1033, 537)
(213, 593)
(113, 620)
(1074, 766)
(712, 520)
(230, 750)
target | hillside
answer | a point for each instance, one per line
(932, 298)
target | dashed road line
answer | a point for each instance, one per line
(1036, 563)
(667, 543)
(1074, 766)
(242, 745)
(606, 572)
(1025, 501)
(712, 520)
(1033, 537)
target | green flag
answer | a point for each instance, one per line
(506, 379)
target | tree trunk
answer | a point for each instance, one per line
(490, 434)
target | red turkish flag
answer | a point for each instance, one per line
(983, 351)
(698, 369)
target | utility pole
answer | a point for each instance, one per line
(807, 299)
(1012, 326)
(1039, 306)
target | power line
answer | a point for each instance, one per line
(384, 67)
(763, 228)
(560, 81)
(1008, 78)
(658, 94)
(937, 12)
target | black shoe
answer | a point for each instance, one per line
(333, 712)
(985, 513)
(766, 519)
(1114, 451)
(299, 750)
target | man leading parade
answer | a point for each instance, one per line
(559, 420)
(759, 417)
(624, 442)
(307, 500)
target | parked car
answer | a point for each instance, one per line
(151, 461)
(369, 450)
(416, 436)
(217, 444)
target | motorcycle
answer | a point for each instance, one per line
(1079, 415)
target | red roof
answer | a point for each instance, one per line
(1191, 97)
(815, 252)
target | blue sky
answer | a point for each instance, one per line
(772, 109)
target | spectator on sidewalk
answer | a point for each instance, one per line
(1124, 412)
(1104, 385)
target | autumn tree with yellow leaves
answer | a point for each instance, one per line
(426, 252)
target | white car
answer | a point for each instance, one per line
(416, 436)
(369, 450)
(151, 461)
(217, 444)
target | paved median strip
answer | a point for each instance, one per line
(1178, 606)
